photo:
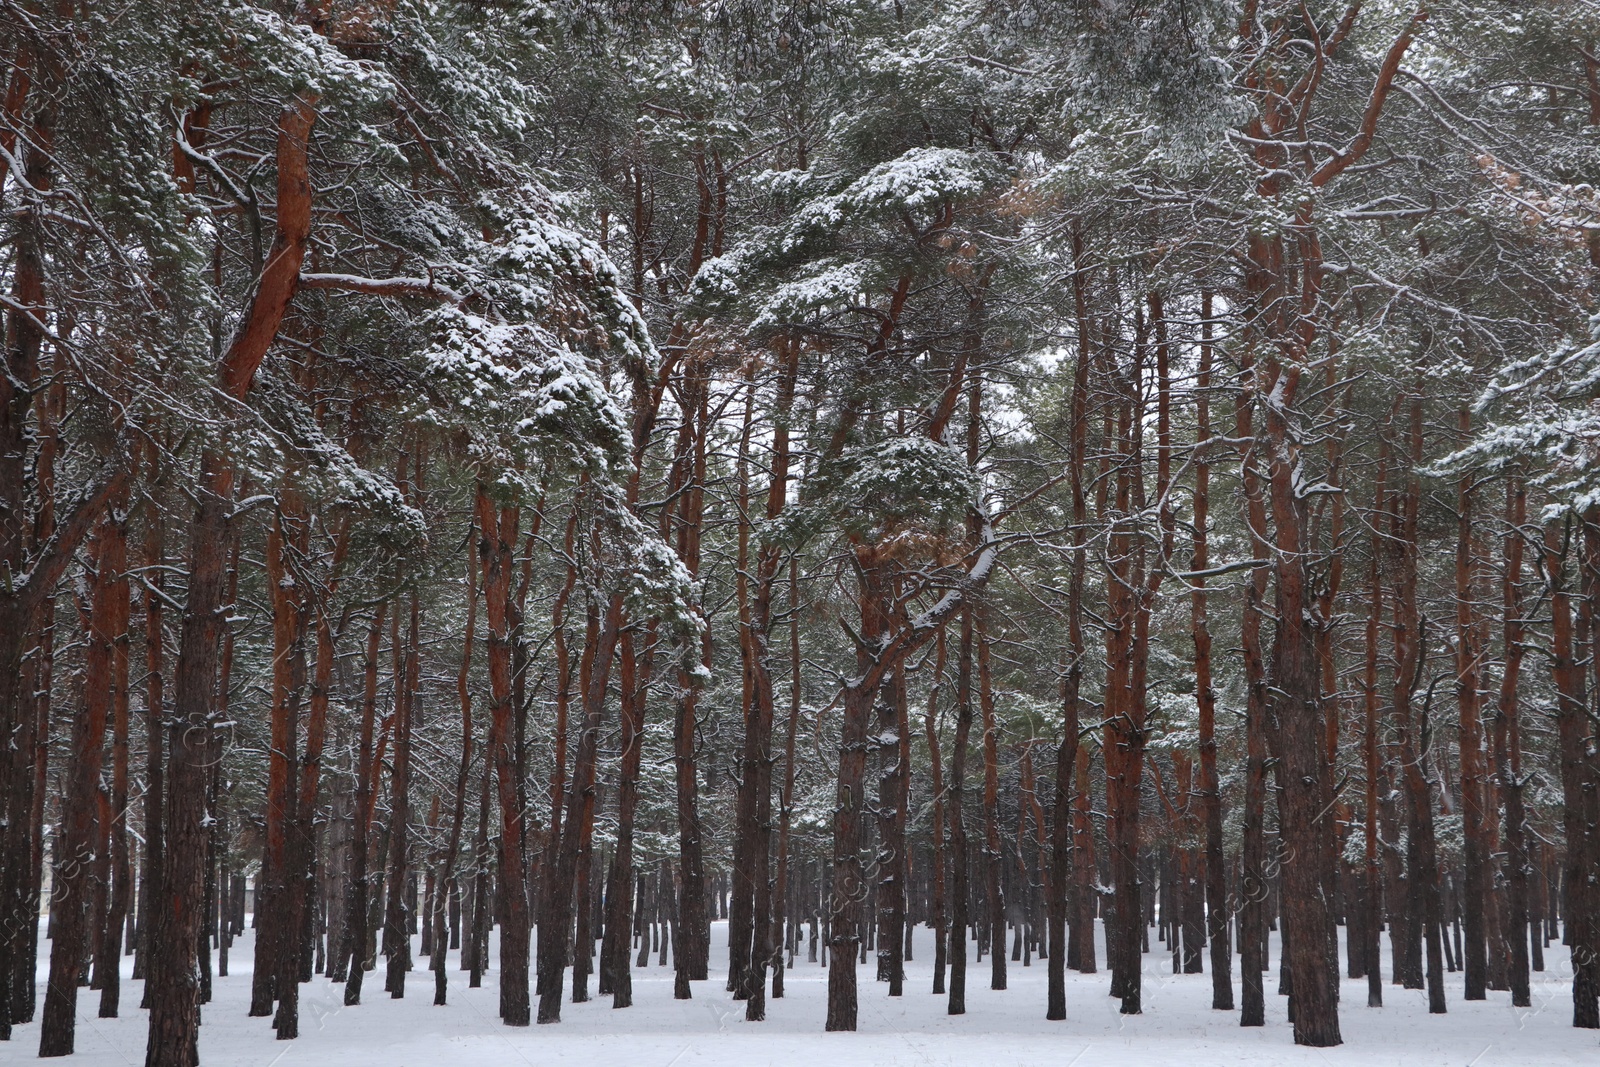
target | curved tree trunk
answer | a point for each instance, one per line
(177, 913)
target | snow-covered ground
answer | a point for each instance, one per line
(1000, 1028)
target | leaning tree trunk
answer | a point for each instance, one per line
(36, 547)
(176, 915)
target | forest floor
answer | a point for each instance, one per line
(1000, 1028)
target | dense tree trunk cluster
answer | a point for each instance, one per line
(866, 490)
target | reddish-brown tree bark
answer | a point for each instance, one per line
(890, 865)
(458, 810)
(174, 1016)
(1066, 890)
(633, 674)
(497, 527)
(1580, 777)
(72, 874)
(562, 891)
(286, 545)
(1507, 746)
(756, 650)
(354, 946)
(397, 877)
(1475, 817)
(1415, 729)
(1283, 310)
(1253, 886)
(36, 547)
(299, 884)
(154, 703)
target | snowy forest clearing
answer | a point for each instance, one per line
(1000, 1029)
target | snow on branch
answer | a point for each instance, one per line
(423, 287)
(971, 582)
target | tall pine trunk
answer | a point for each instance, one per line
(1216, 864)
(994, 857)
(72, 874)
(1507, 742)
(1475, 818)
(960, 863)
(354, 948)
(497, 527)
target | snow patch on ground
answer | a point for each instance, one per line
(1000, 1029)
